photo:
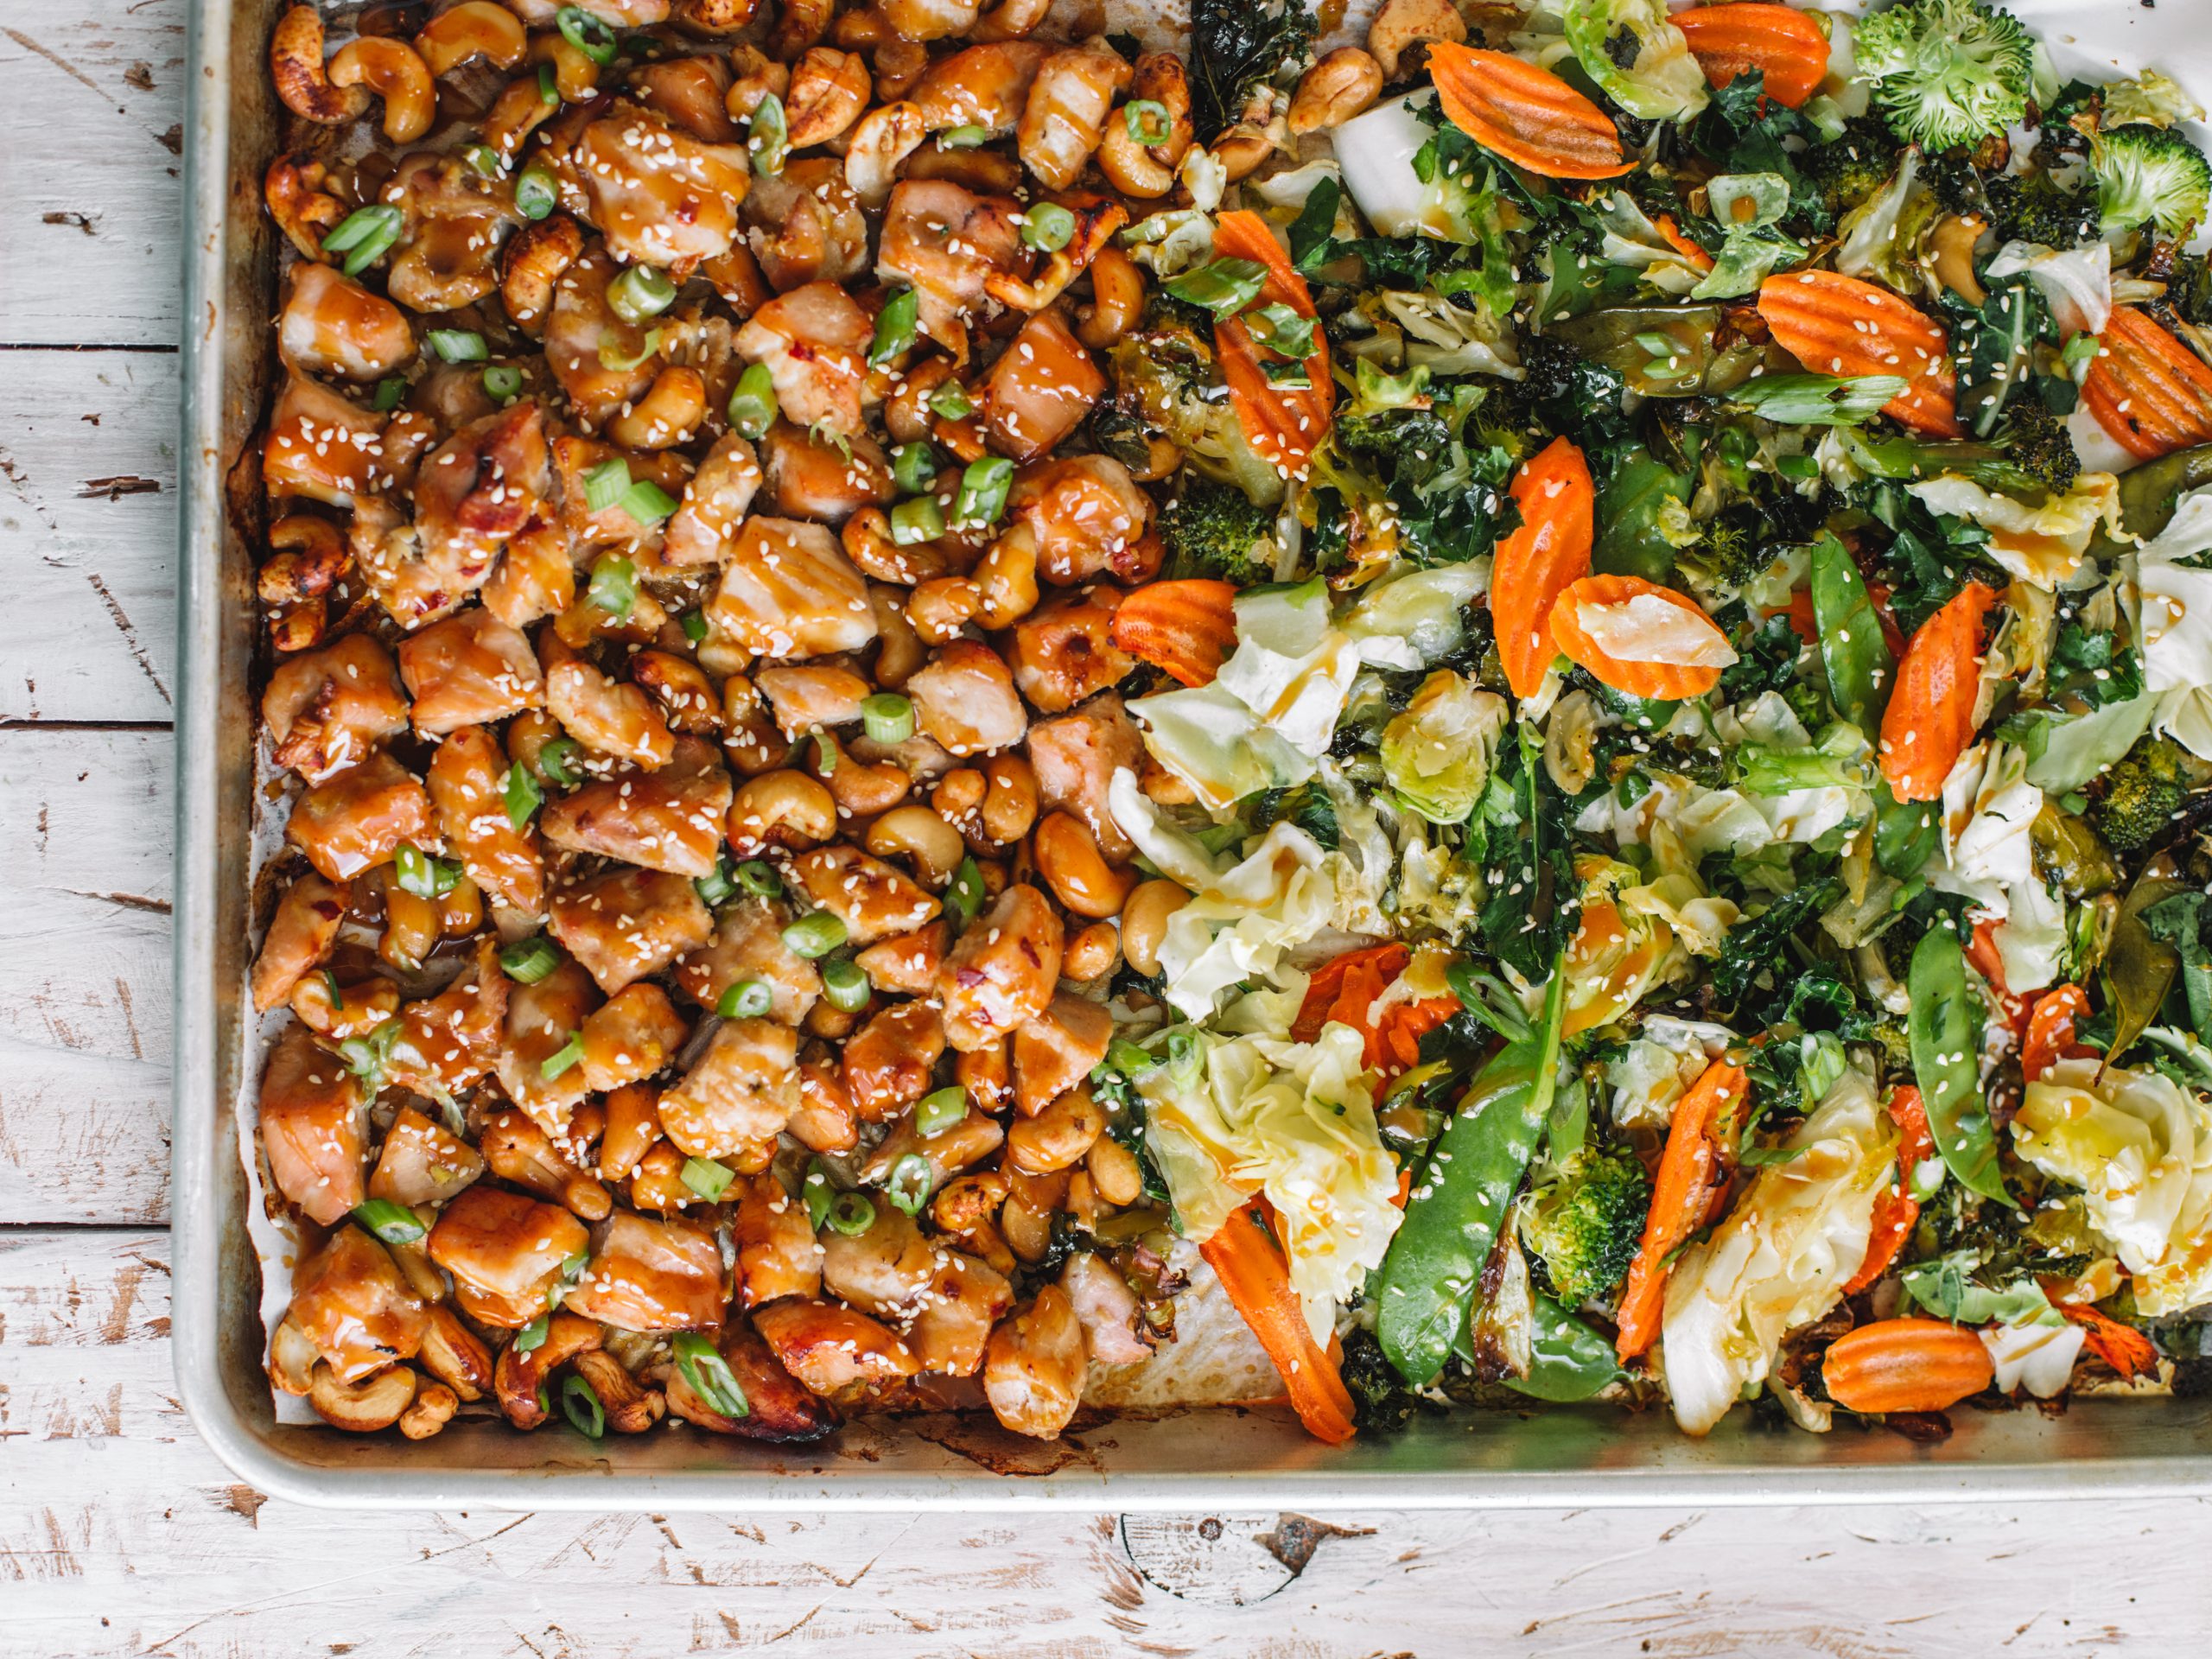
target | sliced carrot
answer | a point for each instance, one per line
(1680, 244)
(1800, 612)
(2149, 392)
(1905, 1365)
(1780, 43)
(1185, 628)
(1839, 325)
(1252, 1271)
(1896, 1210)
(1636, 677)
(1525, 113)
(2124, 1348)
(1535, 564)
(1345, 989)
(1930, 720)
(1989, 962)
(1284, 424)
(1693, 1164)
(2057, 1011)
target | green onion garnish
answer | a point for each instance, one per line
(913, 468)
(983, 486)
(909, 1183)
(562, 1058)
(337, 996)
(706, 1177)
(695, 627)
(592, 35)
(709, 1375)
(363, 236)
(825, 753)
(424, 877)
(503, 381)
(364, 1056)
(886, 717)
(553, 760)
(852, 1214)
(1048, 227)
(717, 884)
(944, 1110)
(647, 503)
(640, 292)
(531, 1337)
(390, 390)
(604, 484)
(815, 934)
(769, 139)
(456, 345)
(395, 1223)
(484, 159)
(614, 359)
(524, 796)
(536, 191)
(818, 1194)
(964, 898)
(844, 986)
(1147, 121)
(746, 1000)
(966, 137)
(614, 586)
(527, 960)
(759, 878)
(918, 519)
(752, 404)
(896, 327)
(580, 1405)
(549, 85)
(952, 402)
(1223, 287)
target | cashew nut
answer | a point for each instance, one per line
(1144, 923)
(474, 28)
(1149, 170)
(1404, 23)
(515, 114)
(293, 1358)
(574, 74)
(670, 413)
(299, 204)
(1057, 1137)
(867, 543)
(1116, 300)
(434, 1405)
(1012, 21)
(918, 832)
(1069, 859)
(518, 1376)
(1334, 90)
(518, 1151)
(1006, 581)
(781, 809)
(532, 263)
(715, 16)
(1114, 1170)
(755, 76)
(395, 72)
(1091, 952)
(455, 1355)
(296, 66)
(361, 1408)
(632, 1126)
(1951, 243)
(1009, 798)
(829, 90)
(862, 789)
(629, 1408)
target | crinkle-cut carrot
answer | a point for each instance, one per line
(1839, 325)
(1692, 1165)
(1905, 1365)
(1930, 720)
(1252, 1271)
(1345, 989)
(1671, 681)
(1525, 113)
(1185, 628)
(1781, 42)
(2057, 1011)
(2124, 1348)
(1535, 565)
(1896, 1210)
(2149, 392)
(1284, 424)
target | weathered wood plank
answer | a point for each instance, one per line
(87, 524)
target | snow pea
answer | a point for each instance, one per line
(2140, 967)
(1945, 1028)
(1906, 833)
(1637, 491)
(1665, 350)
(1567, 1359)
(1858, 661)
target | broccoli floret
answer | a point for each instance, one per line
(1955, 184)
(1732, 547)
(1946, 72)
(1585, 1226)
(2142, 794)
(2152, 174)
(1211, 530)
(2032, 208)
(2189, 288)
(1852, 167)
(2035, 440)
(1380, 1401)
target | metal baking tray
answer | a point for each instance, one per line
(1207, 1459)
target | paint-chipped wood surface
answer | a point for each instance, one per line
(121, 1535)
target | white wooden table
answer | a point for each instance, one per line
(121, 1535)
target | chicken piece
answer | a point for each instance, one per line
(790, 591)
(805, 225)
(825, 1120)
(1056, 1051)
(652, 1275)
(670, 820)
(659, 195)
(834, 1351)
(811, 477)
(542, 1021)
(301, 934)
(689, 702)
(321, 446)
(964, 1299)
(965, 698)
(352, 1301)
(715, 503)
(906, 963)
(626, 923)
(1075, 758)
(423, 1162)
(453, 222)
(814, 340)
(332, 325)
(585, 337)
(777, 1254)
(885, 1270)
(1065, 114)
(635, 1034)
(486, 483)
(943, 241)
(873, 899)
(1040, 389)
(1002, 970)
(506, 1252)
(948, 1152)
(573, 458)
(447, 1041)
(1062, 651)
(779, 1409)
(467, 784)
(748, 944)
(387, 554)
(1034, 1366)
(314, 1123)
(355, 820)
(470, 669)
(1088, 513)
(326, 710)
(1114, 1330)
(738, 1095)
(812, 696)
(607, 717)
(689, 92)
(889, 1061)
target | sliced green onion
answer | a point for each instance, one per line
(395, 1223)
(695, 627)
(908, 1184)
(818, 1194)
(844, 986)
(545, 1399)
(942, 1109)
(918, 519)
(503, 380)
(967, 137)
(365, 236)
(390, 390)
(952, 402)
(614, 586)
(611, 357)
(815, 935)
(562, 1058)
(536, 191)
(456, 345)
(886, 717)
(1048, 227)
(580, 1405)
(527, 960)
(1657, 345)
(706, 1177)
(983, 486)
(752, 404)
(825, 753)
(485, 159)
(549, 85)
(592, 35)
(896, 327)
(531, 1337)
(717, 884)
(746, 1000)
(338, 997)
(424, 877)
(759, 878)
(913, 468)
(769, 138)
(709, 1375)
(1223, 287)
(640, 292)
(604, 484)
(553, 760)
(647, 503)
(364, 1056)
(852, 1214)
(964, 898)
(1147, 121)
